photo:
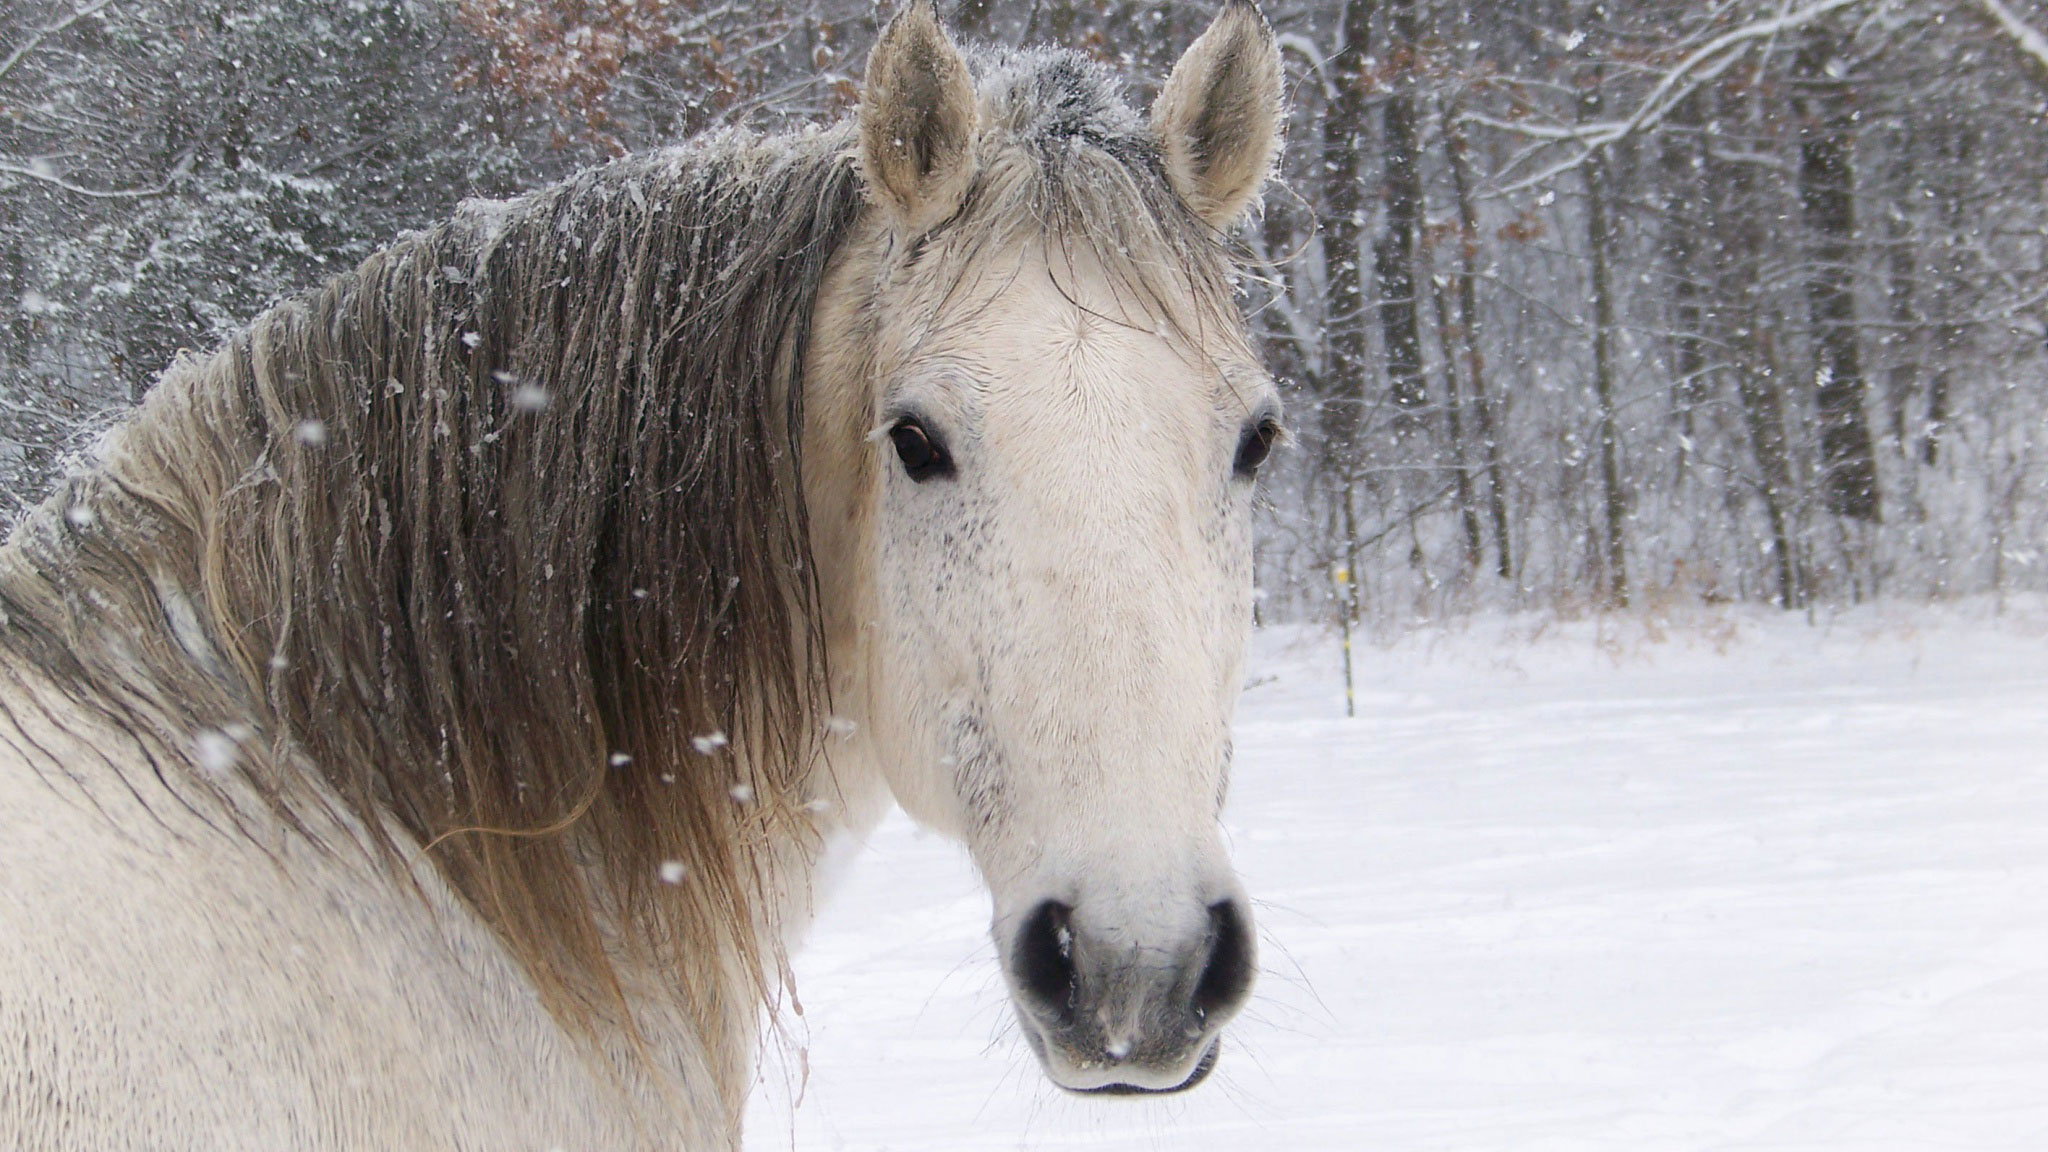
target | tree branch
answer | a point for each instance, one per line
(2025, 38)
(1699, 66)
(10, 168)
(48, 30)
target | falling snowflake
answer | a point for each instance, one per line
(673, 871)
(620, 759)
(215, 750)
(744, 793)
(709, 743)
(311, 433)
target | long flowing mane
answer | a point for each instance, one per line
(500, 535)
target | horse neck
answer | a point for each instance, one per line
(225, 578)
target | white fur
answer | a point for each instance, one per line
(168, 983)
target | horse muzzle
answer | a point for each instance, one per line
(1108, 1012)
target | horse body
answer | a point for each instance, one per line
(422, 723)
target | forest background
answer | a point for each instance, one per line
(1579, 303)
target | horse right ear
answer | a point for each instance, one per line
(1218, 115)
(917, 120)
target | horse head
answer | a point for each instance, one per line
(1039, 580)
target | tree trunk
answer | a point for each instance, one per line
(1902, 259)
(1682, 217)
(1948, 332)
(1394, 253)
(1614, 499)
(1827, 195)
(1763, 417)
(1468, 330)
(1738, 241)
(1343, 144)
(1461, 469)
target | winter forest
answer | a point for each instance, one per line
(1579, 303)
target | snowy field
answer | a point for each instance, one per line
(1731, 881)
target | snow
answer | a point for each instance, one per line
(1725, 880)
(215, 751)
(34, 303)
(530, 398)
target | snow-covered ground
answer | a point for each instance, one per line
(1731, 880)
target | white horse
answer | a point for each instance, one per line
(421, 721)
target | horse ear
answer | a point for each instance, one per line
(1218, 117)
(917, 120)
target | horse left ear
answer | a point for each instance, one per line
(917, 120)
(1218, 117)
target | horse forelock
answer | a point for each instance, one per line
(1068, 161)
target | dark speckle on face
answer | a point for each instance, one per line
(978, 769)
(1223, 777)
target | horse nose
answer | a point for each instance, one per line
(1043, 963)
(1110, 1011)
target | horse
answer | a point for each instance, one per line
(426, 716)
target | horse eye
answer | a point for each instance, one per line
(924, 458)
(1255, 447)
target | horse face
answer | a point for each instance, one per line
(1064, 584)
(1061, 562)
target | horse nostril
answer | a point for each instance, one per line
(1044, 959)
(1227, 977)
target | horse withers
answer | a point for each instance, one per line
(424, 716)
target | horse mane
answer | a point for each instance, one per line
(501, 535)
